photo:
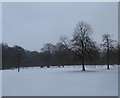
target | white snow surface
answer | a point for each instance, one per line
(67, 81)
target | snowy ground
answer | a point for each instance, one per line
(68, 81)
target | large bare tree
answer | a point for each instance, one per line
(81, 39)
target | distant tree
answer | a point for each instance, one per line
(81, 39)
(107, 44)
(60, 53)
(0, 56)
(5, 56)
(67, 44)
(118, 48)
(92, 53)
(48, 50)
(19, 52)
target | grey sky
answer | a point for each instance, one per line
(31, 25)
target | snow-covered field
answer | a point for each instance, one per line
(68, 81)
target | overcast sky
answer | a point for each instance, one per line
(31, 25)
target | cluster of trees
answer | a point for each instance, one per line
(80, 50)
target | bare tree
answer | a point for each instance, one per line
(48, 49)
(66, 42)
(81, 39)
(19, 54)
(118, 48)
(0, 56)
(108, 45)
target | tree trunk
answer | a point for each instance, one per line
(108, 67)
(19, 60)
(18, 68)
(108, 54)
(108, 60)
(83, 66)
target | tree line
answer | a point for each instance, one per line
(80, 50)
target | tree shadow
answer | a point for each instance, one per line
(83, 71)
(79, 71)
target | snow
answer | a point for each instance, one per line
(67, 81)
(0, 83)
